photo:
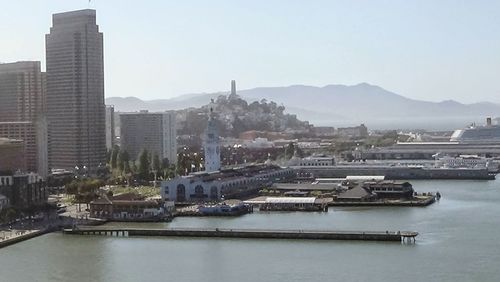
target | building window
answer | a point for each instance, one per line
(198, 191)
(181, 193)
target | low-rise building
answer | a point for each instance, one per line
(376, 190)
(323, 130)
(320, 160)
(360, 131)
(357, 193)
(126, 207)
(24, 190)
(269, 135)
(389, 189)
(226, 183)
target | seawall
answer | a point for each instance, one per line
(24, 237)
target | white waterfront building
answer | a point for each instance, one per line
(214, 186)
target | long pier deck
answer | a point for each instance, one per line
(405, 236)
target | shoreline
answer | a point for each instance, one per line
(24, 237)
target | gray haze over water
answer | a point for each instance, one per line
(458, 241)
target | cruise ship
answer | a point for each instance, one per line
(465, 167)
(477, 134)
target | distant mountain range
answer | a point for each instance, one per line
(339, 105)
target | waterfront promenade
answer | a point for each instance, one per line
(28, 229)
(399, 236)
(11, 237)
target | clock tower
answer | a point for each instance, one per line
(211, 144)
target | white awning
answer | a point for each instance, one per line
(290, 200)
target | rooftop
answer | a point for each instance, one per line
(290, 200)
(245, 171)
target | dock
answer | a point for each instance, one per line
(395, 236)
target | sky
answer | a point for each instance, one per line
(155, 49)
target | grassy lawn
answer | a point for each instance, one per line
(147, 191)
(67, 199)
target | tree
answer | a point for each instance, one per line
(108, 156)
(169, 171)
(144, 165)
(183, 164)
(123, 158)
(126, 167)
(156, 165)
(114, 156)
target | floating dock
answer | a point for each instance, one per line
(398, 236)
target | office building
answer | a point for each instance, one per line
(155, 132)
(75, 107)
(21, 91)
(34, 137)
(22, 100)
(11, 155)
(110, 127)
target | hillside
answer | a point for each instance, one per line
(339, 105)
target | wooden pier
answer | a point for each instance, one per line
(397, 236)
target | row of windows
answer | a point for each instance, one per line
(315, 164)
(5, 181)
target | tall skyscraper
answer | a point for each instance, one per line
(75, 91)
(21, 91)
(155, 132)
(22, 100)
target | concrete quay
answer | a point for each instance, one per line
(395, 236)
(21, 235)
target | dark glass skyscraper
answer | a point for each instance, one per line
(75, 91)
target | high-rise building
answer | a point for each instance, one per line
(155, 132)
(75, 91)
(34, 137)
(11, 155)
(110, 126)
(22, 99)
(21, 91)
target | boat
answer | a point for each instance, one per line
(223, 209)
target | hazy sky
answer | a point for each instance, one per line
(431, 50)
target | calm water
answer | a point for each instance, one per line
(459, 241)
